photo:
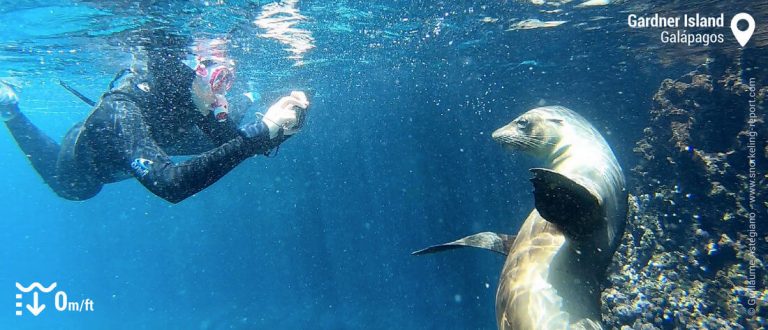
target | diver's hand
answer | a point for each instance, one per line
(9, 102)
(287, 114)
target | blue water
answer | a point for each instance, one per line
(396, 156)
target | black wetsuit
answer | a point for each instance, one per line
(134, 129)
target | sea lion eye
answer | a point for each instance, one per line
(522, 123)
(556, 121)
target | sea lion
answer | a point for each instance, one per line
(555, 264)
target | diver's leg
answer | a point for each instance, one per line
(55, 164)
(40, 149)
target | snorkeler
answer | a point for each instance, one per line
(146, 117)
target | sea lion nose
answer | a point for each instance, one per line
(497, 134)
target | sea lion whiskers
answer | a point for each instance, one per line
(518, 141)
(544, 139)
(529, 141)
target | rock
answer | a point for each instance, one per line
(684, 259)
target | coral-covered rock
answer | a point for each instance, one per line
(686, 260)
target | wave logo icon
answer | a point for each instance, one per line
(35, 308)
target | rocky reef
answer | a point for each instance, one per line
(694, 252)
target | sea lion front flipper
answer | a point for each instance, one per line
(565, 203)
(499, 243)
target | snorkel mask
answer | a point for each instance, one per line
(218, 78)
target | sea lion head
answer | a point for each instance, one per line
(535, 132)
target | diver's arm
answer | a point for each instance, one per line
(175, 182)
(282, 119)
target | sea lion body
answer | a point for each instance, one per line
(557, 261)
(552, 274)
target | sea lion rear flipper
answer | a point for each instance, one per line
(564, 202)
(499, 243)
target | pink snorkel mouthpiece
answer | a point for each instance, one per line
(220, 108)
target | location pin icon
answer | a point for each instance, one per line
(742, 36)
